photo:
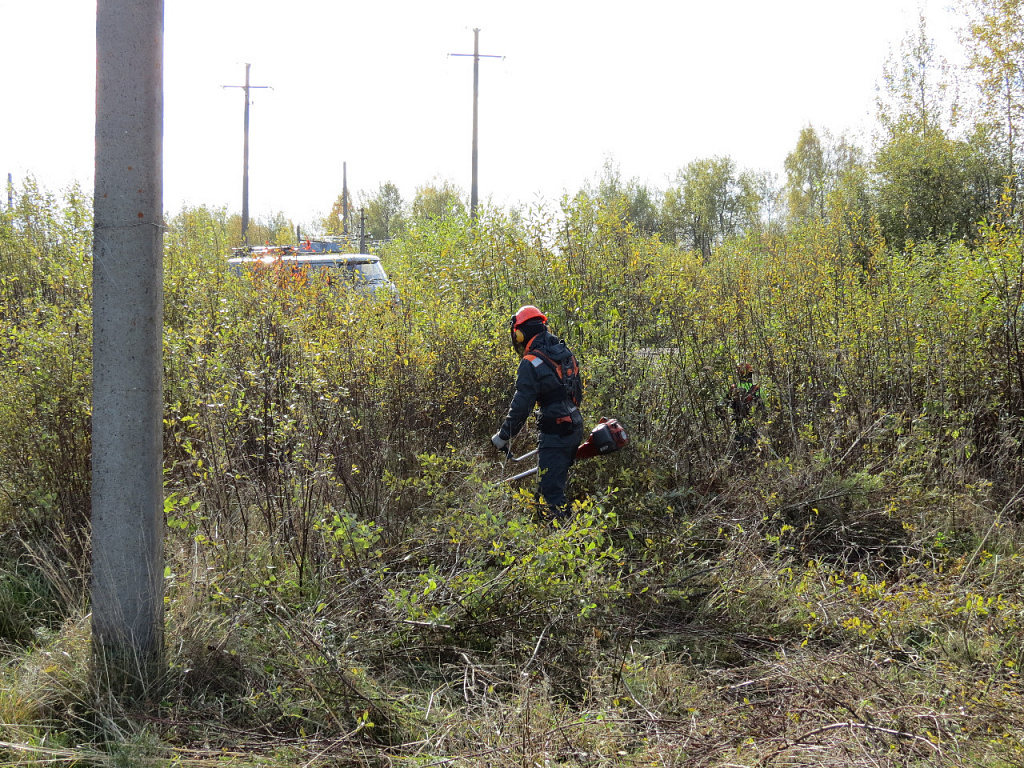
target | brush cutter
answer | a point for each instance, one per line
(607, 437)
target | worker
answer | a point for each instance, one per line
(548, 376)
(743, 400)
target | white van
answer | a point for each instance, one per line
(360, 271)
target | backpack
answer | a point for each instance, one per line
(568, 372)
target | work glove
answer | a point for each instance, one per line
(499, 442)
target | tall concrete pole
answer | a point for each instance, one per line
(245, 165)
(127, 451)
(344, 198)
(476, 98)
(245, 155)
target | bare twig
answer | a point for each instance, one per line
(852, 725)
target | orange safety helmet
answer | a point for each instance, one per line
(744, 369)
(523, 316)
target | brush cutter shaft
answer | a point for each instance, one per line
(524, 456)
(607, 437)
(521, 475)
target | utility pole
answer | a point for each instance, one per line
(127, 390)
(245, 156)
(10, 191)
(476, 96)
(344, 198)
(362, 230)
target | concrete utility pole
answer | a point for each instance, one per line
(344, 198)
(127, 447)
(476, 94)
(245, 156)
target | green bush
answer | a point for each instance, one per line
(345, 561)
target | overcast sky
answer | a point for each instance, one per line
(654, 85)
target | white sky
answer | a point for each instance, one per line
(653, 84)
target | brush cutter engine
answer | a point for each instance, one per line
(607, 437)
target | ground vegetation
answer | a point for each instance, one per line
(348, 581)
